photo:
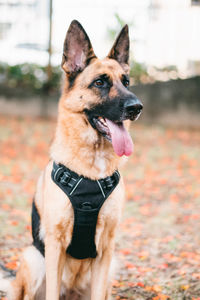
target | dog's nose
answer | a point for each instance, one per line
(133, 107)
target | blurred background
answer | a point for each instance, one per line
(165, 46)
(158, 245)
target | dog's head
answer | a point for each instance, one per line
(98, 89)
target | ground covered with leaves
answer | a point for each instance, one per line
(158, 245)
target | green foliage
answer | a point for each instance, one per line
(138, 72)
(30, 77)
(112, 32)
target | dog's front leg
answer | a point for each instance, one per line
(54, 260)
(100, 275)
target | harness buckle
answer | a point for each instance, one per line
(109, 182)
(65, 178)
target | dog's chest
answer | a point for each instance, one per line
(100, 163)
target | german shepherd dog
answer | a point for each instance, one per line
(91, 137)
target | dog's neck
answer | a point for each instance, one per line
(80, 148)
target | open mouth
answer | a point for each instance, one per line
(102, 127)
(116, 133)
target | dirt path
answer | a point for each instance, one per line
(158, 246)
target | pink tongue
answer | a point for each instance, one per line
(121, 139)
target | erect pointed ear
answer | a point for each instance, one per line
(120, 49)
(77, 50)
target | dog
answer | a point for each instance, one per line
(80, 194)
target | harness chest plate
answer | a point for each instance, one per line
(87, 197)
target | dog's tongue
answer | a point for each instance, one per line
(121, 139)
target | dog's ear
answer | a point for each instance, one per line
(77, 50)
(120, 49)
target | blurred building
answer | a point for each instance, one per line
(173, 35)
(23, 31)
(164, 32)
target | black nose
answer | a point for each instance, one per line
(132, 107)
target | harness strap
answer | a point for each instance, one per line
(87, 197)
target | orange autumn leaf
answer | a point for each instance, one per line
(129, 265)
(141, 284)
(131, 284)
(163, 266)
(11, 265)
(185, 287)
(5, 206)
(28, 227)
(156, 288)
(14, 223)
(125, 251)
(148, 288)
(161, 297)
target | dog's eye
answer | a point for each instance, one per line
(126, 82)
(99, 82)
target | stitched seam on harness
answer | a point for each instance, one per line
(76, 186)
(101, 189)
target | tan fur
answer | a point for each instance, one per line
(82, 149)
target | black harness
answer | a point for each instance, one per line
(87, 197)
